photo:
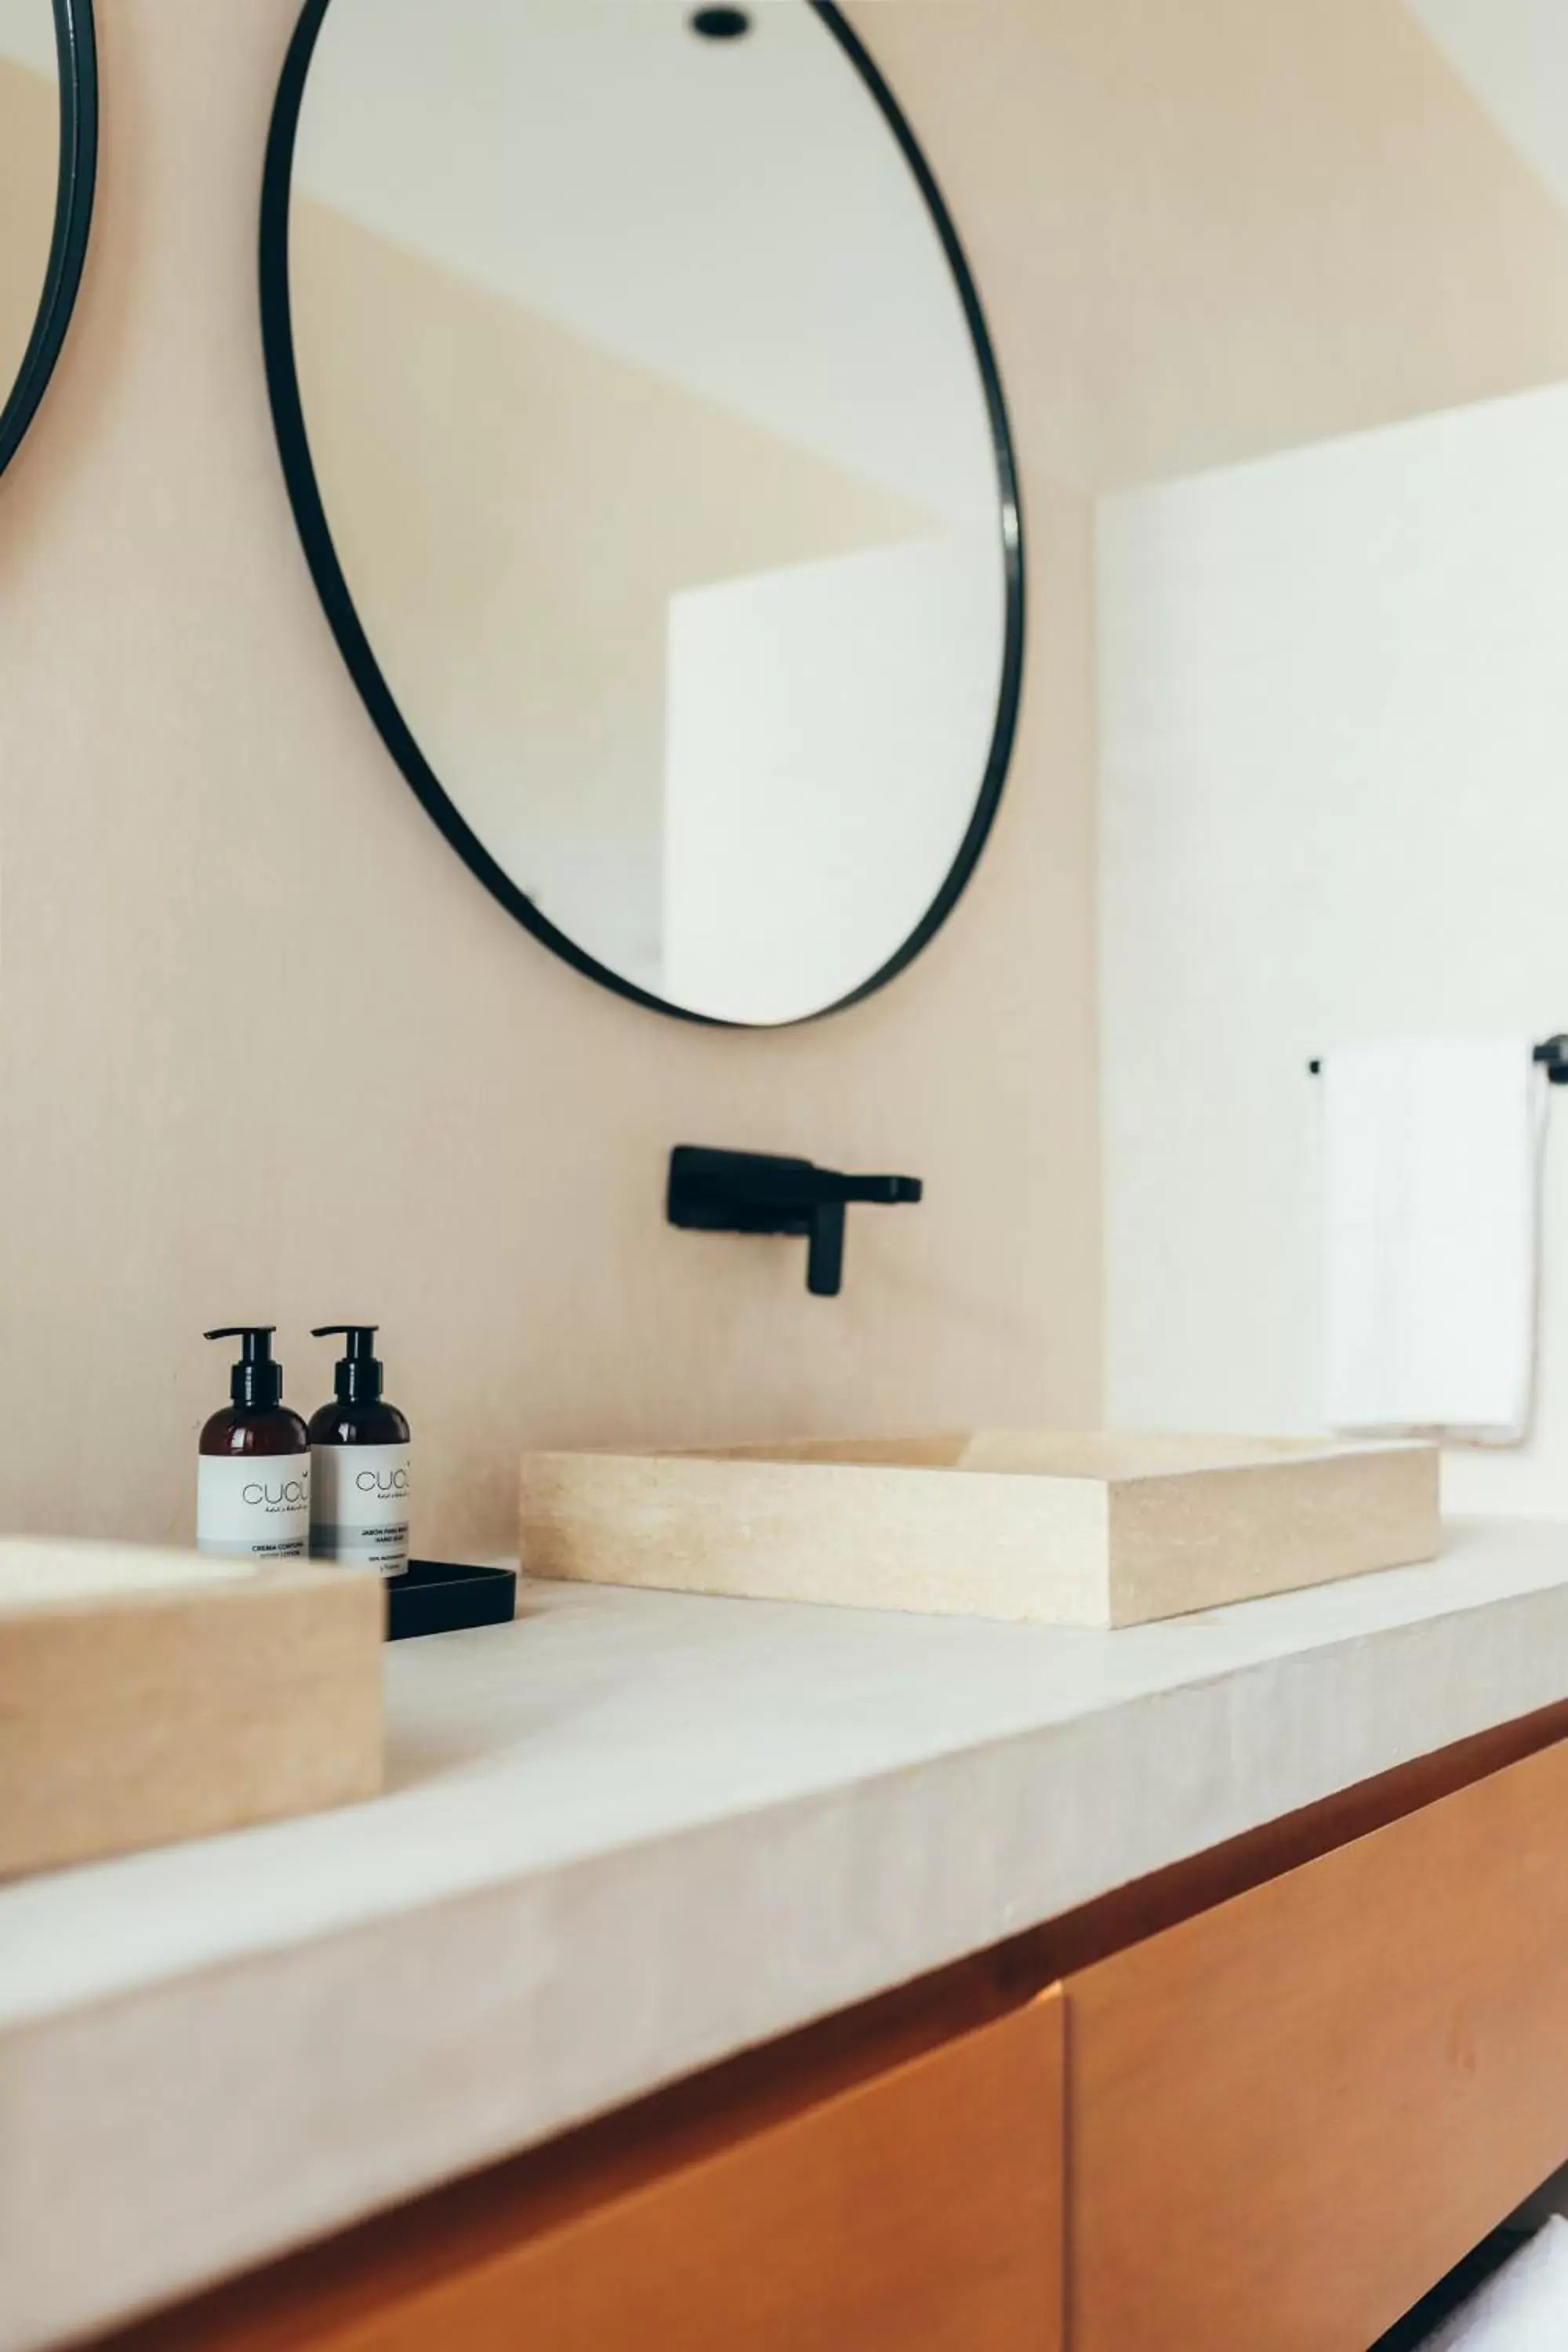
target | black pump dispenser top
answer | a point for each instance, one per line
(255, 1383)
(356, 1376)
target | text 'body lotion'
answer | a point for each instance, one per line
(253, 1475)
(359, 1464)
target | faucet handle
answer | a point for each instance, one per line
(825, 1250)
(824, 1242)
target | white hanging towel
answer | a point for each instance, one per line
(1524, 2308)
(1433, 1153)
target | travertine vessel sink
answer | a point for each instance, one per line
(1063, 1528)
(147, 1695)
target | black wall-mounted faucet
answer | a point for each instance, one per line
(752, 1193)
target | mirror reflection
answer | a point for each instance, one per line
(29, 173)
(659, 464)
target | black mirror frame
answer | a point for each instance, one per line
(293, 445)
(77, 52)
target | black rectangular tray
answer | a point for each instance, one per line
(438, 1596)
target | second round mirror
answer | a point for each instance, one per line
(49, 140)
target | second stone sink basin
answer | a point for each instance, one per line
(1061, 1527)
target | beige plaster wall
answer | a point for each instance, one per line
(1236, 225)
(267, 1050)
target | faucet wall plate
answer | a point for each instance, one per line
(759, 1193)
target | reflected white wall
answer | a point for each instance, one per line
(1513, 54)
(827, 724)
(27, 36)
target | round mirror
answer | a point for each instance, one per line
(48, 126)
(649, 455)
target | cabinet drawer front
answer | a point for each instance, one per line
(917, 2211)
(1290, 2115)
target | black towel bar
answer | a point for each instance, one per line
(1552, 1051)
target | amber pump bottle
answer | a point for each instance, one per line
(359, 1462)
(253, 1479)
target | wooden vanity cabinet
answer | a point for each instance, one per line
(1291, 2115)
(917, 2209)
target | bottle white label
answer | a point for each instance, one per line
(359, 1514)
(255, 1504)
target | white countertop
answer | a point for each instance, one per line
(633, 1833)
